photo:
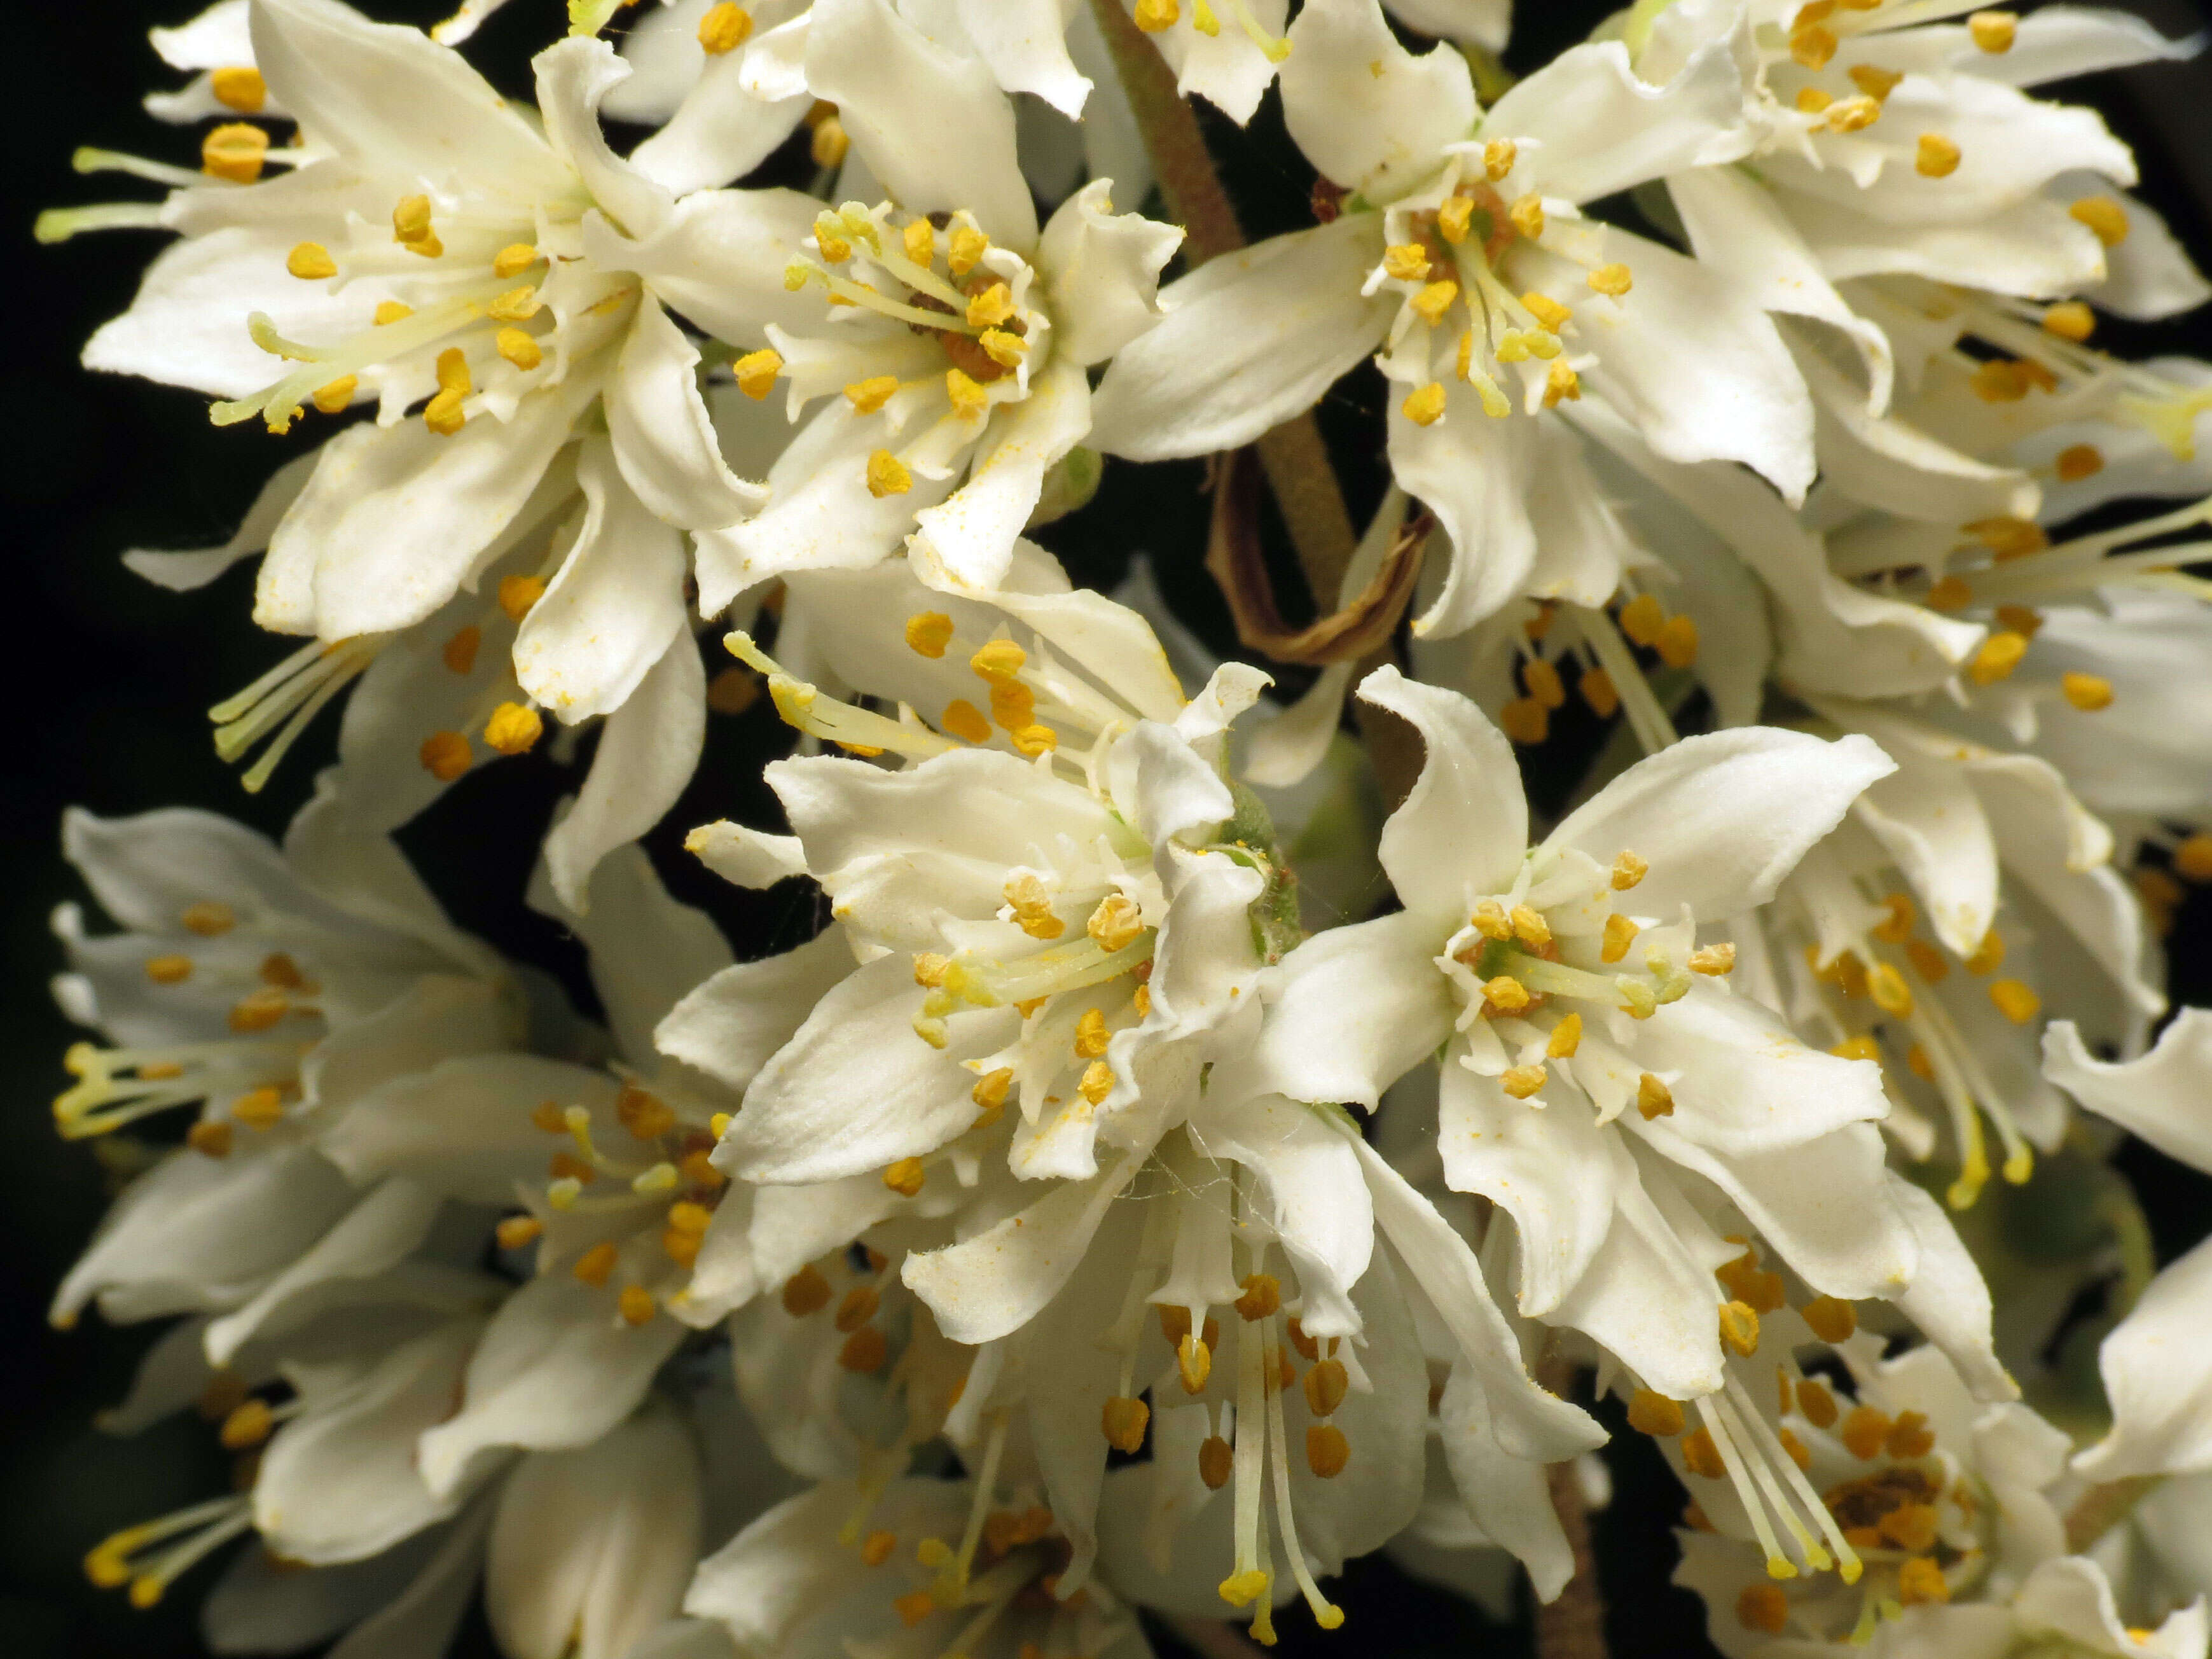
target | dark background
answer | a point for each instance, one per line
(108, 679)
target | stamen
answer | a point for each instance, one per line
(803, 705)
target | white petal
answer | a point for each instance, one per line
(340, 1483)
(1948, 1299)
(391, 103)
(648, 751)
(1025, 44)
(663, 437)
(1368, 114)
(220, 36)
(1900, 467)
(379, 1231)
(1523, 1420)
(966, 543)
(985, 1287)
(898, 94)
(648, 951)
(2160, 1095)
(855, 1090)
(395, 518)
(558, 1367)
(1590, 126)
(183, 571)
(1316, 1196)
(186, 326)
(719, 131)
(573, 76)
(748, 858)
(1482, 23)
(1476, 474)
(1722, 818)
(1102, 273)
(1226, 68)
(2071, 1599)
(1746, 1084)
(2031, 247)
(258, 1607)
(592, 1549)
(1509, 1498)
(731, 1024)
(424, 1619)
(1462, 829)
(1928, 817)
(2055, 43)
(718, 261)
(2157, 1380)
(1250, 339)
(1350, 1012)
(2149, 276)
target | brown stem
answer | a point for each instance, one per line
(1572, 1626)
(1296, 458)
(2103, 1507)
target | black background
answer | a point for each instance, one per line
(108, 679)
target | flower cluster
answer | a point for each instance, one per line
(1192, 1146)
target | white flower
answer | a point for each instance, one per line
(516, 289)
(1952, 1509)
(1461, 253)
(951, 335)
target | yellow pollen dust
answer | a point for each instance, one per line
(1935, 156)
(239, 87)
(2104, 216)
(236, 151)
(1091, 1035)
(724, 28)
(310, 262)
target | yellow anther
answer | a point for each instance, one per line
(804, 1292)
(2015, 1001)
(2021, 619)
(1263, 1294)
(2193, 860)
(990, 307)
(1897, 927)
(1522, 1081)
(1525, 721)
(1951, 593)
(1097, 1082)
(1813, 44)
(390, 311)
(1405, 262)
(1154, 15)
(209, 1139)
(1921, 1582)
(444, 756)
(1327, 1452)
(904, 1177)
(1547, 311)
(1433, 301)
(1013, 706)
(1091, 1035)
(1627, 871)
(1654, 1414)
(755, 373)
(1506, 994)
(1739, 1328)
(2078, 461)
(518, 1230)
(1993, 31)
(930, 967)
(1621, 933)
(830, 142)
(1815, 1404)
(169, 970)
(920, 240)
(520, 348)
(1642, 619)
(2086, 692)
(1123, 1421)
(1003, 349)
(1853, 114)
(870, 395)
(2069, 320)
(1831, 1318)
(1935, 156)
(1811, 100)
(636, 1306)
(964, 248)
(965, 721)
(1216, 1460)
(1195, 1361)
(260, 1108)
(1999, 655)
(1490, 921)
(410, 219)
(724, 28)
(444, 414)
(2009, 537)
(1527, 214)
(1529, 927)
(998, 659)
(2104, 215)
(250, 1425)
(1677, 643)
(1325, 1387)
(927, 633)
(1140, 1001)
(887, 475)
(1498, 155)
(1615, 279)
(1877, 83)
(1701, 1457)
(1561, 384)
(517, 594)
(239, 87)
(453, 371)
(334, 398)
(1566, 1037)
(236, 151)
(1453, 219)
(310, 262)
(968, 398)
(513, 729)
(989, 1094)
(208, 919)
(1026, 897)
(1763, 1608)
(1715, 961)
(256, 1011)
(597, 1264)
(1890, 993)
(1653, 1099)
(1115, 923)
(1426, 406)
(1599, 691)
(514, 259)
